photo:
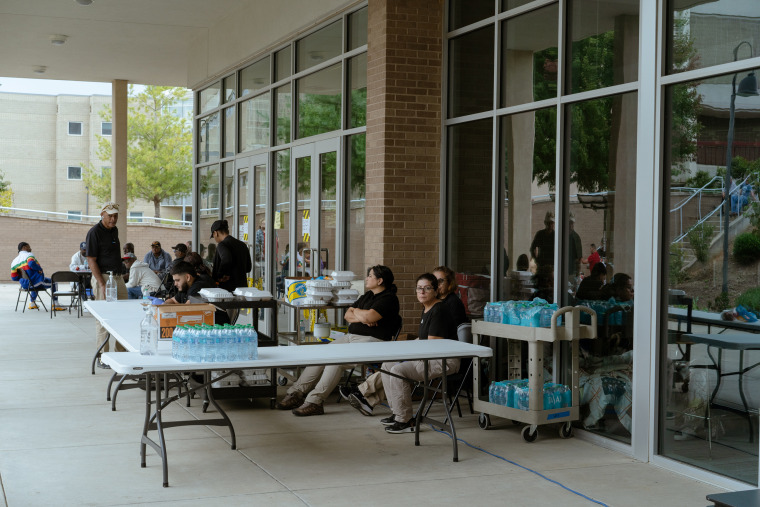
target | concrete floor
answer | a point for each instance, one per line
(60, 444)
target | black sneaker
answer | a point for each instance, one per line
(407, 427)
(360, 403)
(388, 421)
(102, 365)
(346, 391)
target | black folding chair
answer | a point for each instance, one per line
(28, 290)
(63, 279)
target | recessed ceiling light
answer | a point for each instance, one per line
(58, 39)
(83, 2)
(40, 69)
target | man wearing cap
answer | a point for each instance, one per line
(104, 255)
(180, 250)
(141, 277)
(232, 260)
(26, 261)
(542, 247)
(157, 259)
(79, 259)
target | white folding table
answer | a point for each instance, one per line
(151, 367)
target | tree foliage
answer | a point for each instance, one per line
(159, 150)
(6, 193)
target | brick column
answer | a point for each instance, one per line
(404, 51)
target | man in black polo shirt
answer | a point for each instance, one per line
(232, 261)
(373, 318)
(103, 255)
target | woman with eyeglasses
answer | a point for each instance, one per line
(435, 324)
(447, 286)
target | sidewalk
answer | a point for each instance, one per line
(60, 444)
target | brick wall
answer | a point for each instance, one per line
(403, 141)
(54, 242)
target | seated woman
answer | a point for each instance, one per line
(435, 324)
(447, 286)
(607, 381)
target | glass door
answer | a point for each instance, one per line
(316, 227)
(250, 219)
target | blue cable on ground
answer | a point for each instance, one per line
(520, 466)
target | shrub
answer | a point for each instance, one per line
(721, 303)
(699, 180)
(675, 266)
(747, 248)
(750, 299)
(699, 239)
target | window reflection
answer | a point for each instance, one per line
(254, 123)
(319, 46)
(700, 425)
(357, 72)
(319, 102)
(283, 109)
(466, 12)
(208, 98)
(282, 222)
(208, 209)
(209, 138)
(254, 77)
(357, 202)
(229, 131)
(602, 199)
(471, 72)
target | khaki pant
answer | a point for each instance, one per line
(399, 392)
(99, 294)
(319, 381)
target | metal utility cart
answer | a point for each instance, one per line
(571, 331)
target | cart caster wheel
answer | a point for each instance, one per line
(566, 430)
(527, 436)
(282, 381)
(484, 421)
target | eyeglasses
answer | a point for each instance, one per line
(441, 280)
(424, 289)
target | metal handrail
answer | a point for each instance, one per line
(68, 217)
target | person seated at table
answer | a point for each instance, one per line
(374, 317)
(180, 251)
(447, 293)
(202, 271)
(79, 259)
(620, 288)
(26, 261)
(591, 286)
(158, 260)
(188, 283)
(435, 323)
(606, 381)
(140, 277)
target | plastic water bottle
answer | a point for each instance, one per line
(221, 344)
(111, 295)
(192, 345)
(148, 335)
(254, 343)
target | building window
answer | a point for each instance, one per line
(75, 128)
(74, 172)
(74, 215)
(136, 216)
(105, 128)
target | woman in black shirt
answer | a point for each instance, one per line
(447, 286)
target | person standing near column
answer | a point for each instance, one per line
(104, 255)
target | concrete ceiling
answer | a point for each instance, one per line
(142, 41)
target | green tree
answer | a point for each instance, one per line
(159, 149)
(6, 193)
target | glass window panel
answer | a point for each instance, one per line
(282, 60)
(209, 138)
(357, 76)
(259, 223)
(243, 187)
(529, 159)
(229, 131)
(511, 4)
(604, 40)
(254, 123)
(357, 29)
(529, 57)
(284, 110)
(209, 98)
(601, 198)
(471, 72)
(703, 34)
(208, 209)
(229, 88)
(357, 202)
(282, 215)
(469, 212)
(466, 12)
(320, 46)
(229, 195)
(319, 102)
(303, 211)
(700, 147)
(328, 168)
(254, 77)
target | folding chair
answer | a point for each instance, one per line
(29, 290)
(64, 279)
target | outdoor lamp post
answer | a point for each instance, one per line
(747, 88)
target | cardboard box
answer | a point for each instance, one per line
(171, 316)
